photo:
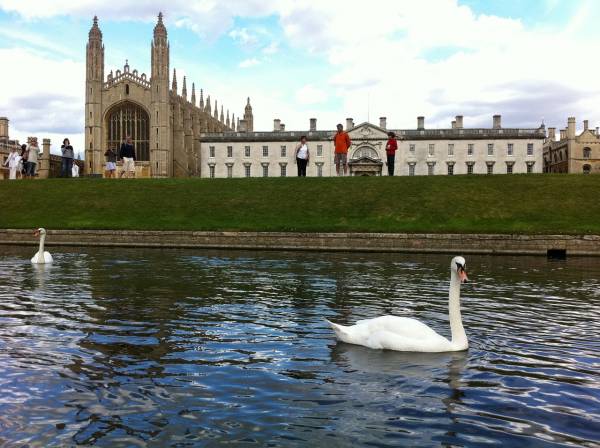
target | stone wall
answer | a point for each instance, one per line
(584, 245)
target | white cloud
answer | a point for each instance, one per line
(270, 49)
(309, 94)
(243, 36)
(39, 96)
(247, 63)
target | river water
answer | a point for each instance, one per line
(116, 347)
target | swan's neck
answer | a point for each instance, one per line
(42, 240)
(459, 337)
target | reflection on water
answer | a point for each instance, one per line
(118, 347)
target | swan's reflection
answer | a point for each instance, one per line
(41, 273)
(424, 369)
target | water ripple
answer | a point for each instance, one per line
(114, 347)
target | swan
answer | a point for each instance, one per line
(409, 335)
(41, 257)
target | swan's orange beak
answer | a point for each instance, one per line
(36, 233)
(462, 275)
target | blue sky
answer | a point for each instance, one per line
(304, 59)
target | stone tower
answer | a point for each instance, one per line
(248, 117)
(161, 158)
(94, 77)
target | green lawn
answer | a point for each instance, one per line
(563, 204)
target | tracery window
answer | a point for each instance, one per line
(129, 119)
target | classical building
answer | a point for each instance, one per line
(165, 125)
(421, 151)
(572, 152)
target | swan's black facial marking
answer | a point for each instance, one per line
(460, 267)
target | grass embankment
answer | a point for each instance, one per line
(562, 204)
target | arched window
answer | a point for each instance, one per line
(129, 119)
(365, 151)
(587, 169)
(126, 89)
(587, 153)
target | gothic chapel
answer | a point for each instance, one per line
(165, 126)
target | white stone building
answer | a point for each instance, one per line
(421, 151)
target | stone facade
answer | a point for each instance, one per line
(165, 125)
(421, 151)
(572, 153)
(571, 245)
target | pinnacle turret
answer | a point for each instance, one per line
(184, 89)
(193, 94)
(174, 85)
(222, 117)
(216, 115)
(227, 122)
(201, 105)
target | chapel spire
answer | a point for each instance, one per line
(184, 89)
(193, 94)
(174, 85)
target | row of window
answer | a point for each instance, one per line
(265, 151)
(470, 168)
(510, 149)
(411, 169)
(265, 170)
(412, 149)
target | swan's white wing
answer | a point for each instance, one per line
(47, 257)
(401, 326)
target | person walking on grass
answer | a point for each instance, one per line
(13, 162)
(390, 148)
(127, 154)
(33, 151)
(24, 166)
(111, 163)
(66, 159)
(341, 143)
(302, 156)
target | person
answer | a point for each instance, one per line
(111, 162)
(341, 143)
(127, 154)
(75, 170)
(23, 165)
(33, 151)
(390, 148)
(302, 156)
(13, 163)
(67, 158)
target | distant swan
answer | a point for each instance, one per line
(41, 257)
(409, 335)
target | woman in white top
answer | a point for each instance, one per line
(13, 162)
(302, 156)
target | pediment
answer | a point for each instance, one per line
(365, 161)
(367, 130)
(587, 136)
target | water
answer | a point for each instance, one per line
(115, 347)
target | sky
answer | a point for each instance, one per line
(528, 60)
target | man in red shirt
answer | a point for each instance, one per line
(390, 149)
(341, 143)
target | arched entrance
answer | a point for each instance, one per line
(125, 119)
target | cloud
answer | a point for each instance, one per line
(247, 63)
(243, 36)
(270, 49)
(309, 94)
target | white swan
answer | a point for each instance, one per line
(41, 257)
(409, 335)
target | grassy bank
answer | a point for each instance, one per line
(467, 204)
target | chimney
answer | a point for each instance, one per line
(459, 121)
(313, 124)
(563, 134)
(497, 121)
(349, 123)
(276, 124)
(3, 128)
(552, 134)
(282, 127)
(453, 124)
(571, 128)
(420, 122)
(586, 124)
(383, 122)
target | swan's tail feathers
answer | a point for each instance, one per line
(340, 331)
